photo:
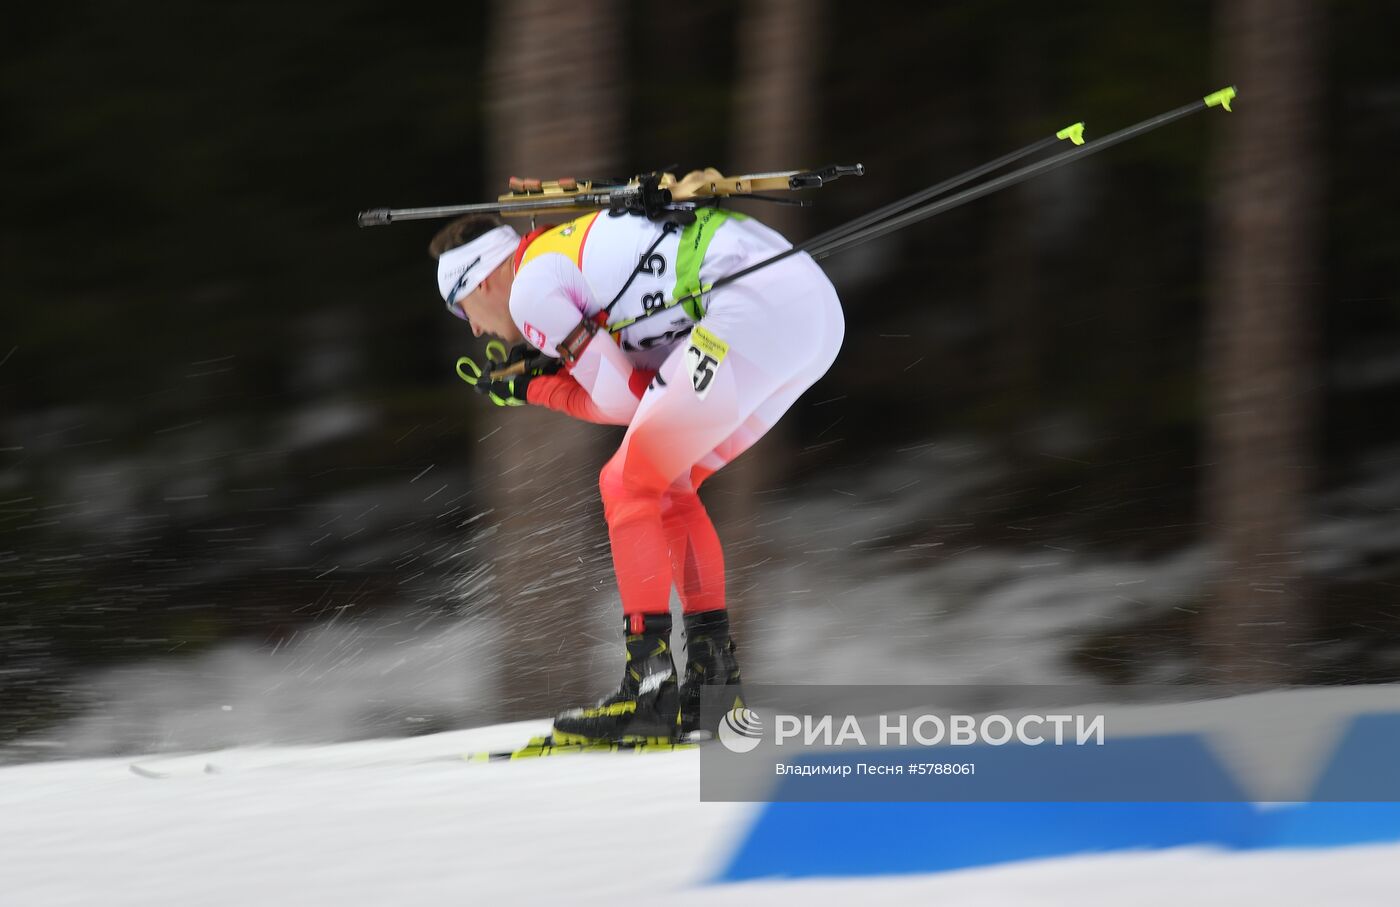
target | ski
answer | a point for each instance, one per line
(147, 771)
(173, 765)
(545, 746)
(196, 764)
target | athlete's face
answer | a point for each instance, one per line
(488, 306)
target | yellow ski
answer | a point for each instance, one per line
(545, 746)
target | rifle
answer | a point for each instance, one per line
(650, 194)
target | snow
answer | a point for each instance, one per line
(404, 821)
(364, 823)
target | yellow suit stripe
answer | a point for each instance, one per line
(566, 239)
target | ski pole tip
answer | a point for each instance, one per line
(1221, 98)
(1074, 132)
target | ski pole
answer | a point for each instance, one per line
(1220, 98)
(1074, 133)
(846, 237)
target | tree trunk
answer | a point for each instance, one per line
(1012, 249)
(773, 130)
(1259, 396)
(555, 108)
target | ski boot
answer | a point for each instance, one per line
(711, 676)
(644, 707)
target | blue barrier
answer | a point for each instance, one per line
(1366, 762)
(855, 839)
(804, 839)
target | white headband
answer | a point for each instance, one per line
(461, 270)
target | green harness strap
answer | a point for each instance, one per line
(695, 241)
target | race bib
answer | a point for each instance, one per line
(705, 354)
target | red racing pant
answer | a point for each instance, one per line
(783, 327)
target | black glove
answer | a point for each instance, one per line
(512, 390)
(536, 363)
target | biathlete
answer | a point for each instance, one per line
(695, 384)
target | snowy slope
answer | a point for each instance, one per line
(401, 822)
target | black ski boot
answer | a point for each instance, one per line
(711, 674)
(644, 707)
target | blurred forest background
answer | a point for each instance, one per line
(229, 421)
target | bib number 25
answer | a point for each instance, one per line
(705, 355)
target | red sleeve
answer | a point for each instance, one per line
(563, 394)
